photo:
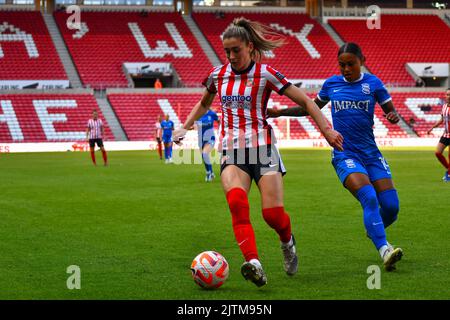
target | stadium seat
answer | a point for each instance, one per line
(26, 48)
(110, 39)
(23, 117)
(401, 39)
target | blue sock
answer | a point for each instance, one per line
(207, 162)
(170, 152)
(389, 206)
(372, 219)
(166, 152)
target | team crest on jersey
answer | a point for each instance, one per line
(249, 83)
(350, 163)
(365, 88)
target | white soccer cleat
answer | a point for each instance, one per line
(253, 271)
(290, 257)
(391, 257)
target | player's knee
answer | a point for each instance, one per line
(389, 202)
(438, 154)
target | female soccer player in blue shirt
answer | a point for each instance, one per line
(361, 167)
(167, 127)
(206, 140)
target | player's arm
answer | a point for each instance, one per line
(390, 113)
(200, 108)
(297, 111)
(333, 137)
(437, 124)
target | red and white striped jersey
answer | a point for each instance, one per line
(95, 127)
(244, 96)
(158, 129)
(446, 118)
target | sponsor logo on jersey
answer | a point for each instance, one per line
(237, 102)
(345, 105)
(279, 75)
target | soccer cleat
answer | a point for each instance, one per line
(290, 257)
(391, 257)
(446, 177)
(254, 272)
(212, 175)
(208, 177)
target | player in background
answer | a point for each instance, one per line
(206, 140)
(94, 135)
(444, 141)
(361, 167)
(167, 127)
(158, 135)
(247, 141)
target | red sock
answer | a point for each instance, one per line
(442, 159)
(160, 150)
(240, 215)
(105, 158)
(93, 156)
(279, 220)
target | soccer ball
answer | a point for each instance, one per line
(209, 269)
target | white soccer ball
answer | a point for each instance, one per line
(209, 269)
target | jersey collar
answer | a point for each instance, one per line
(360, 78)
(246, 70)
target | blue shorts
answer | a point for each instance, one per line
(167, 139)
(346, 163)
(211, 141)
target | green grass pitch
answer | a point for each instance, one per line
(134, 227)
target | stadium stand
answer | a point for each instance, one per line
(26, 48)
(109, 39)
(401, 39)
(310, 52)
(47, 117)
(420, 110)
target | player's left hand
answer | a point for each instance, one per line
(178, 135)
(392, 117)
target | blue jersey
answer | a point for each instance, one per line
(206, 126)
(352, 110)
(167, 127)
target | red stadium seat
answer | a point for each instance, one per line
(27, 51)
(401, 39)
(47, 117)
(109, 42)
(315, 59)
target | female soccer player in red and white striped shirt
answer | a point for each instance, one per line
(94, 135)
(247, 141)
(158, 135)
(444, 142)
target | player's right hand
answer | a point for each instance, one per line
(273, 113)
(335, 139)
(178, 135)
